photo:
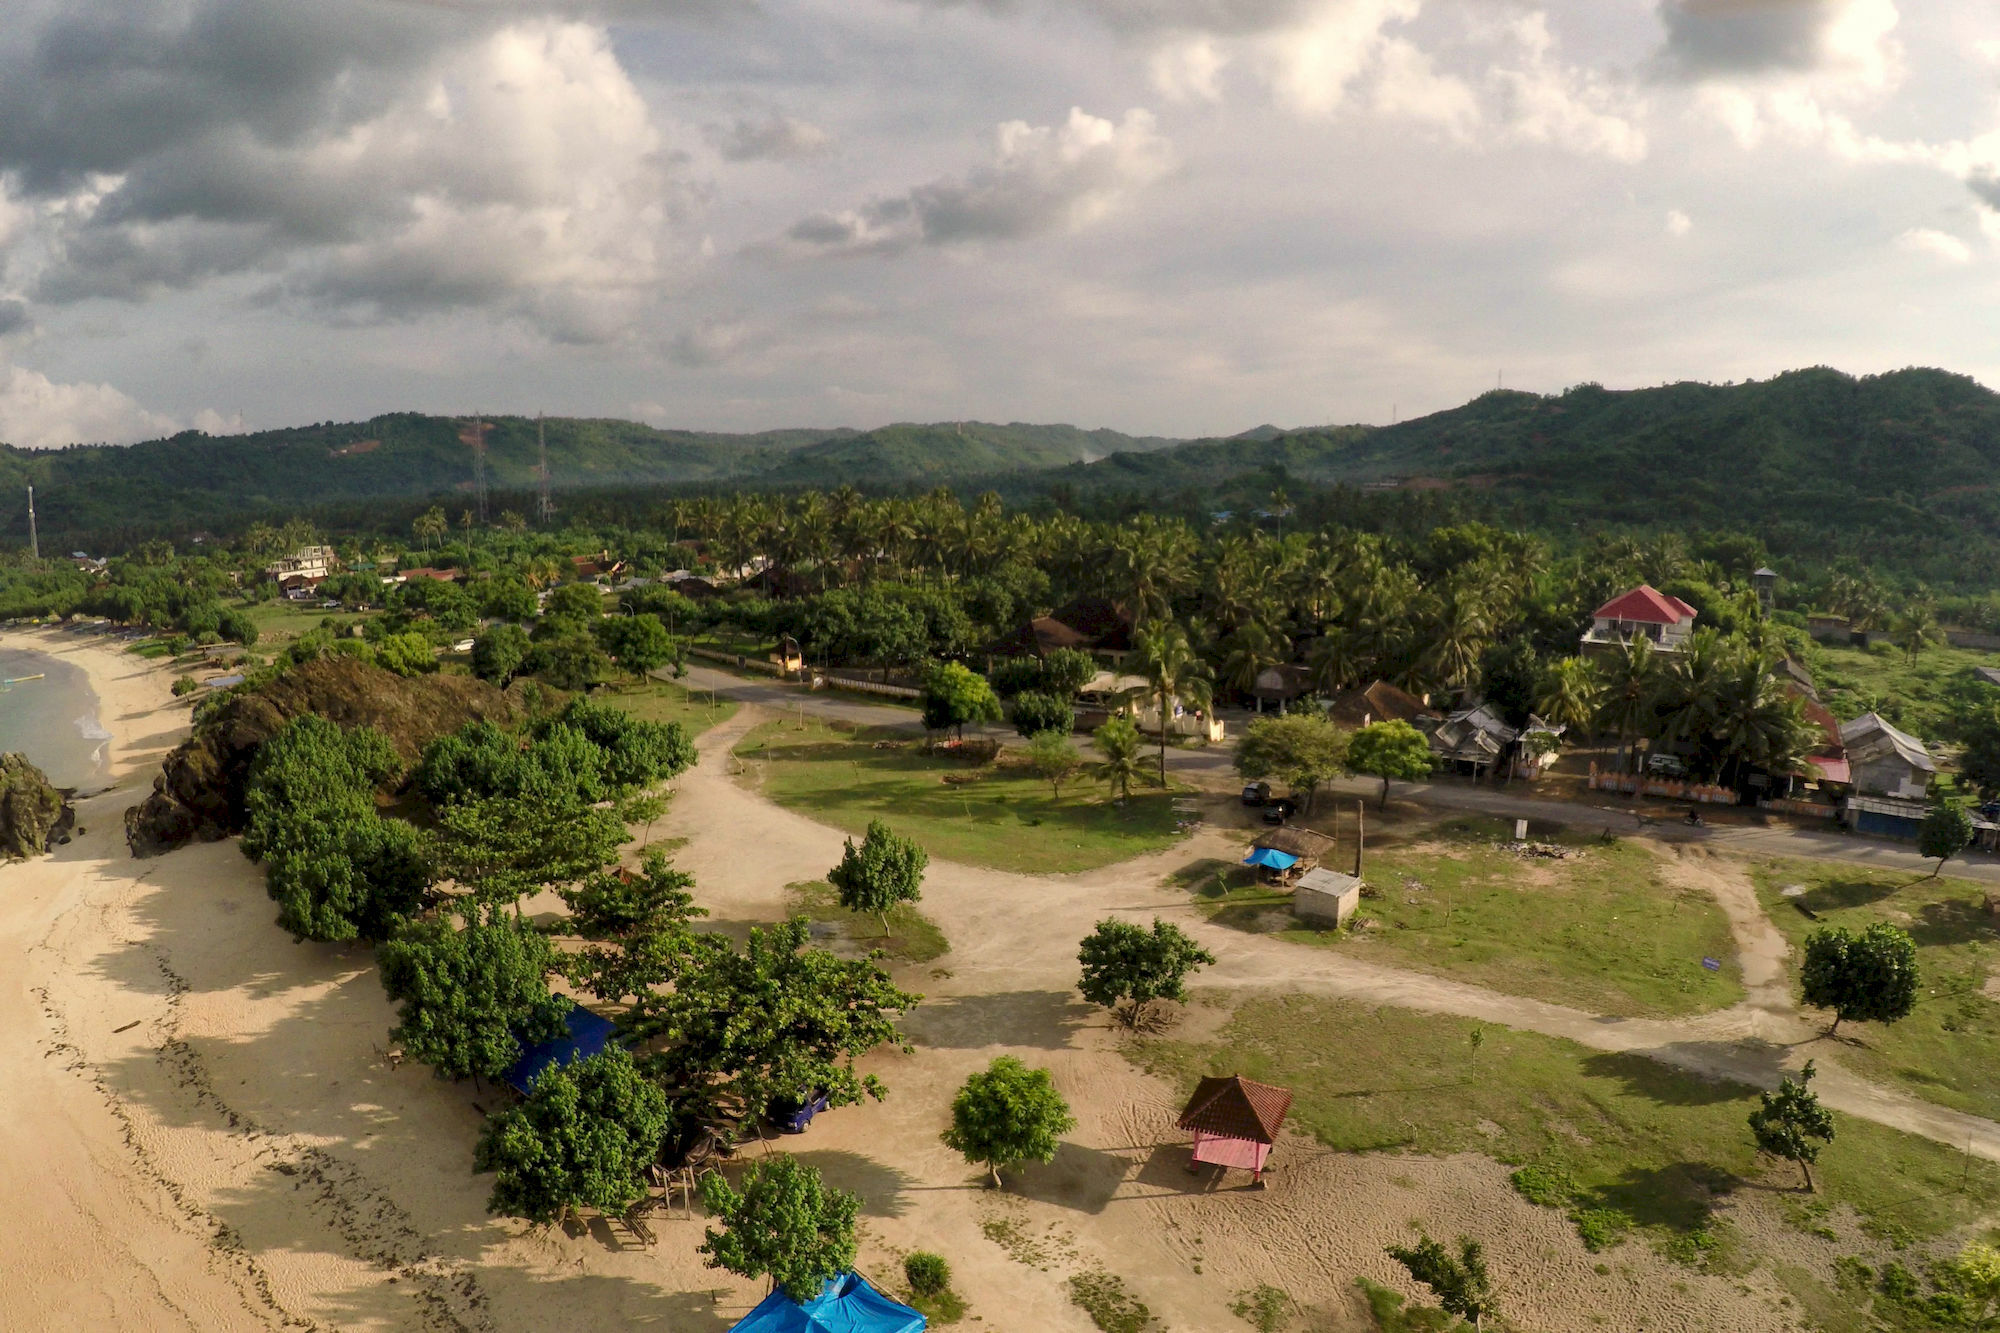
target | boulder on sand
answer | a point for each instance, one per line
(32, 813)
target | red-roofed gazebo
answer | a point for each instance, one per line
(1235, 1121)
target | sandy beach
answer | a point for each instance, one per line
(200, 1127)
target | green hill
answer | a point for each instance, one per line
(949, 450)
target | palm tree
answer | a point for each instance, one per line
(1915, 629)
(1457, 637)
(1172, 671)
(1248, 652)
(1758, 722)
(1569, 693)
(1334, 662)
(1689, 690)
(430, 526)
(1625, 705)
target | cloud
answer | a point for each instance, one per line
(1312, 63)
(13, 316)
(1409, 86)
(1189, 70)
(1545, 101)
(1041, 179)
(774, 138)
(384, 162)
(37, 413)
(1846, 41)
(713, 342)
(1678, 223)
(1934, 244)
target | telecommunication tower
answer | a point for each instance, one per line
(479, 429)
(34, 542)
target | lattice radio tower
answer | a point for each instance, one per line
(544, 507)
(479, 429)
(34, 542)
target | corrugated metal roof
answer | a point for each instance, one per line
(1237, 1108)
(1907, 746)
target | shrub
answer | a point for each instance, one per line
(927, 1273)
(1544, 1186)
(1035, 713)
(184, 687)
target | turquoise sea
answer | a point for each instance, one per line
(53, 720)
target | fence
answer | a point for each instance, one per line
(1810, 809)
(1666, 789)
(829, 681)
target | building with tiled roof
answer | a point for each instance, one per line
(1645, 612)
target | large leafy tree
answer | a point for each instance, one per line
(954, 696)
(1054, 760)
(470, 997)
(1945, 832)
(885, 870)
(637, 927)
(1127, 968)
(740, 1030)
(503, 848)
(1008, 1113)
(1790, 1123)
(785, 1223)
(1870, 977)
(1303, 749)
(583, 1138)
(499, 653)
(1034, 713)
(640, 643)
(1391, 751)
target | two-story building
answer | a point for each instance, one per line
(1643, 613)
(1891, 772)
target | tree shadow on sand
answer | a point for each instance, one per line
(1045, 1019)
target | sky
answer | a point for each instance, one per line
(1178, 217)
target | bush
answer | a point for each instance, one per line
(1035, 713)
(184, 687)
(1543, 1186)
(927, 1273)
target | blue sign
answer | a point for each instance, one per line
(1712, 964)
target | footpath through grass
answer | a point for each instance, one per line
(1948, 1050)
(997, 815)
(913, 937)
(1635, 1145)
(1599, 928)
(663, 701)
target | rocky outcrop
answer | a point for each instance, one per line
(33, 815)
(198, 795)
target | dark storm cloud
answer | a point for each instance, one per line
(1722, 37)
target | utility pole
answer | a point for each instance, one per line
(34, 541)
(479, 465)
(544, 508)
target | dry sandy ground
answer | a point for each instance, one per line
(198, 1129)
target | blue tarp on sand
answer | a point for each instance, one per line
(588, 1034)
(847, 1305)
(1271, 859)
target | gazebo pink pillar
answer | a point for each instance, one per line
(1241, 1154)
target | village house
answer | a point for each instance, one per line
(308, 562)
(1380, 701)
(1645, 612)
(1891, 772)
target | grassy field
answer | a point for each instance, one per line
(913, 937)
(1948, 1050)
(663, 701)
(1880, 679)
(279, 621)
(1604, 931)
(1636, 1145)
(998, 815)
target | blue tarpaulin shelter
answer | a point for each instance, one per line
(1271, 859)
(847, 1305)
(587, 1035)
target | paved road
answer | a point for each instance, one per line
(1213, 766)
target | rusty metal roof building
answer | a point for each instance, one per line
(1237, 1108)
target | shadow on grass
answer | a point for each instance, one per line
(1661, 1083)
(1839, 894)
(1045, 1019)
(1953, 921)
(1680, 1196)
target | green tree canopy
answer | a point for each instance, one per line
(499, 653)
(1458, 1281)
(583, 1138)
(740, 1030)
(1054, 759)
(470, 997)
(407, 654)
(785, 1223)
(1790, 1123)
(1118, 742)
(1945, 832)
(574, 608)
(1870, 977)
(1127, 968)
(1034, 713)
(640, 643)
(886, 869)
(1389, 751)
(638, 928)
(1303, 749)
(954, 695)
(1008, 1113)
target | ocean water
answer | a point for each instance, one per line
(53, 720)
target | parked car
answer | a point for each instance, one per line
(1666, 765)
(1280, 810)
(1256, 793)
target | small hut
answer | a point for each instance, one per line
(585, 1034)
(1283, 852)
(1234, 1122)
(847, 1304)
(1326, 897)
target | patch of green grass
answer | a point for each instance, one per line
(1948, 1049)
(1916, 697)
(913, 937)
(1103, 1297)
(1603, 931)
(999, 815)
(662, 701)
(1391, 1315)
(1655, 1144)
(1265, 1308)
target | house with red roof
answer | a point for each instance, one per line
(1644, 612)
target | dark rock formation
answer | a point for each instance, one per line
(199, 793)
(32, 813)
